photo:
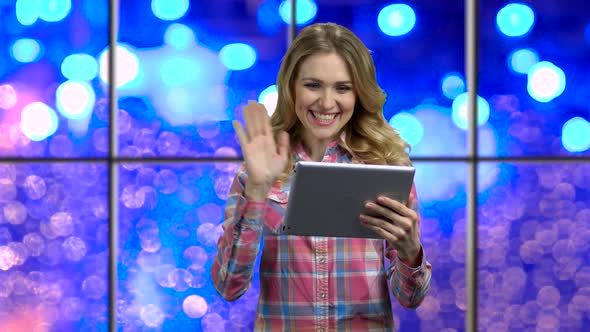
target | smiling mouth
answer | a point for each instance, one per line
(324, 118)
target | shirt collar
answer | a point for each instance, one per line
(334, 151)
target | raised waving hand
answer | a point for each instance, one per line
(265, 159)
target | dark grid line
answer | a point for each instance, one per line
(168, 160)
(471, 66)
(112, 171)
(471, 53)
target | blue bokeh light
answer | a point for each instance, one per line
(169, 10)
(546, 81)
(460, 109)
(27, 11)
(396, 19)
(238, 56)
(452, 85)
(306, 11)
(81, 67)
(179, 36)
(408, 126)
(38, 121)
(575, 135)
(54, 10)
(26, 50)
(515, 19)
(520, 61)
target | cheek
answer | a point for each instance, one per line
(348, 104)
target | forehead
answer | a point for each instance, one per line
(328, 67)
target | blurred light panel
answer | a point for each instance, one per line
(575, 135)
(546, 81)
(38, 121)
(81, 67)
(178, 70)
(169, 10)
(54, 10)
(515, 19)
(408, 126)
(452, 85)
(587, 33)
(396, 19)
(26, 50)
(459, 111)
(238, 56)
(27, 11)
(127, 68)
(75, 99)
(179, 36)
(522, 60)
(268, 97)
(267, 16)
(306, 11)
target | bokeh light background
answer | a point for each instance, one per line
(184, 70)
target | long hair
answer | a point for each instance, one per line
(368, 136)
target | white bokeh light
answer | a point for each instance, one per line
(546, 81)
(38, 121)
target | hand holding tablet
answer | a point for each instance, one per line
(327, 199)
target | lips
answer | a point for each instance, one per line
(323, 119)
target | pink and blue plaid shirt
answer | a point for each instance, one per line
(311, 283)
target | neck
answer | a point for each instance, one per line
(315, 148)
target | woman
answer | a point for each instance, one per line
(329, 109)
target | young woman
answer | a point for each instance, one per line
(329, 109)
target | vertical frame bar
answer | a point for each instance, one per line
(471, 52)
(293, 23)
(112, 165)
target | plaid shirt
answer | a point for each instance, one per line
(311, 283)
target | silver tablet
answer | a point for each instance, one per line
(326, 199)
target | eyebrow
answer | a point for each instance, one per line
(320, 81)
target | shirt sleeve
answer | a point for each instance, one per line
(239, 244)
(408, 284)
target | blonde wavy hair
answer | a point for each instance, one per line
(368, 136)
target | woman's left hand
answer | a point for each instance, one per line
(396, 223)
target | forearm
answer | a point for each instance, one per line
(237, 250)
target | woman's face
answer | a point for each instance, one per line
(324, 97)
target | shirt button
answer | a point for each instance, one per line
(323, 295)
(322, 260)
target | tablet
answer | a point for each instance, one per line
(326, 199)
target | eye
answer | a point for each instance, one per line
(343, 88)
(312, 85)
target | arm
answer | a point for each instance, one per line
(238, 247)
(409, 281)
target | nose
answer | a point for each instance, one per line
(327, 100)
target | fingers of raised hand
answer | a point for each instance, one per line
(256, 118)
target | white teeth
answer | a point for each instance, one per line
(324, 117)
